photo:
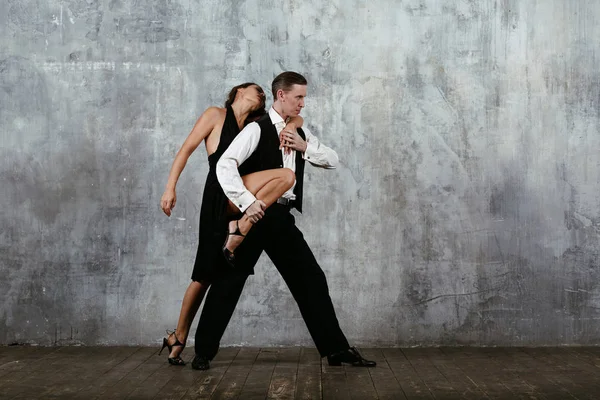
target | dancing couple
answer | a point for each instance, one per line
(256, 160)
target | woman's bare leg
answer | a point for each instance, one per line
(266, 186)
(189, 307)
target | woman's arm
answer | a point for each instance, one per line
(203, 127)
(292, 125)
(295, 122)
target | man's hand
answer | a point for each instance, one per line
(291, 140)
(256, 211)
(168, 200)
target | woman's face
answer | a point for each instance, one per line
(256, 95)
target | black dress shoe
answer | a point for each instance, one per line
(350, 356)
(200, 362)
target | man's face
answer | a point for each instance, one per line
(292, 102)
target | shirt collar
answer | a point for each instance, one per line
(275, 117)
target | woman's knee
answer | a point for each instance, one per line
(199, 284)
(288, 176)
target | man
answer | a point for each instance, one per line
(260, 146)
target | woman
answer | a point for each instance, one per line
(218, 127)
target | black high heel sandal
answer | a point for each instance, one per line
(172, 360)
(229, 256)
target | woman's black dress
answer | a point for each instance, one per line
(210, 262)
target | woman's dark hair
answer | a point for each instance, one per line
(285, 81)
(254, 115)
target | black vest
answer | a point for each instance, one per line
(268, 156)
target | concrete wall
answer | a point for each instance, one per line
(466, 209)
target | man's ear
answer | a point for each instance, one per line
(280, 94)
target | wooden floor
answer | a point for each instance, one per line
(298, 373)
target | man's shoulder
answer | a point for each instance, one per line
(264, 123)
(264, 118)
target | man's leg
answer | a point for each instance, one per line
(285, 245)
(296, 263)
(219, 306)
(221, 300)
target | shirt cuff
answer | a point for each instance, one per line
(244, 201)
(311, 149)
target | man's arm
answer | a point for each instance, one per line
(238, 151)
(317, 153)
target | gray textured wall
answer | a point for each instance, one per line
(466, 209)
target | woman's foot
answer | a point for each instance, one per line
(234, 238)
(175, 347)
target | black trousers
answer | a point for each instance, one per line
(276, 233)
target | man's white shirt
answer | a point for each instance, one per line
(245, 144)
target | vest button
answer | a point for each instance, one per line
(280, 166)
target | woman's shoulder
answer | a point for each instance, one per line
(215, 111)
(213, 115)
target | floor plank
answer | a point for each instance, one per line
(501, 374)
(230, 386)
(17, 358)
(308, 381)
(35, 375)
(133, 378)
(413, 386)
(28, 372)
(576, 379)
(70, 376)
(333, 381)
(534, 373)
(589, 372)
(583, 354)
(360, 383)
(285, 375)
(192, 384)
(464, 387)
(385, 383)
(113, 375)
(437, 383)
(259, 379)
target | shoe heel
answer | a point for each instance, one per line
(334, 363)
(165, 344)
(172, 360)
(229, 255)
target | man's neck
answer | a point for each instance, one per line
(277, 107)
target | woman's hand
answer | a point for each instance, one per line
(283, 143)
(256, 211)
(291, 140)
(168, 200)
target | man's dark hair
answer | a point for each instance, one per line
(285, 81)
